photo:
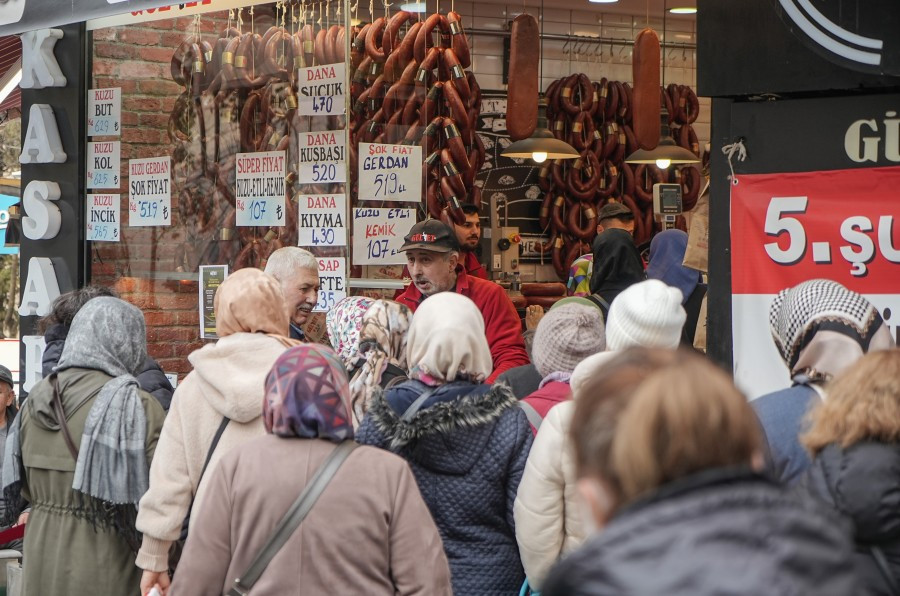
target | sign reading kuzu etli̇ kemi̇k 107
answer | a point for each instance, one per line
(792, 227)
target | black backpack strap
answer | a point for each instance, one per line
(212, 447)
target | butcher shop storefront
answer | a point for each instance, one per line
(171, 144)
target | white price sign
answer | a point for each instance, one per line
(322, 157)
(321, 90)
(104, 112)
(378, 235)
(332, 282)
(259, 189)
(104, 164)
(149, 191)
(322, 220)
(390, 172)
(103, 217)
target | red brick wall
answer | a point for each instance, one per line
(136, 58)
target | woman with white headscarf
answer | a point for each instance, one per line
(466, 442)
(80, 454)
(821, 329)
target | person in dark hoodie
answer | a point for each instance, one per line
(667, 265)
(55, 327)
(667, 456)
(466, 442)
(617, 265)
(855, 441)
(8, 413)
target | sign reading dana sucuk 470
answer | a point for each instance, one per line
(842, 225)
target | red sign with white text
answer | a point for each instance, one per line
(839, 225)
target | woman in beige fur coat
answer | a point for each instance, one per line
(227, 381)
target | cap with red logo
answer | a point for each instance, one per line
(431, 234)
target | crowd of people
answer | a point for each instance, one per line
(425, 451)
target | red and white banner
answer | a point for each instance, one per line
(788, 228)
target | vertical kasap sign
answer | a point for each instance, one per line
(787, 228)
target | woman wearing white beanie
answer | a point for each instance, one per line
(548, 521)
(647, 314)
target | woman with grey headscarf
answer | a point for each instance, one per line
(80, 454)
(820, 329)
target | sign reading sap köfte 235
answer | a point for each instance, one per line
(751, 47)
(17, 16)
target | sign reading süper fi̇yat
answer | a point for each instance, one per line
(103, 164)
(378, 235)
(322, 220)
(149, 191)
(390, 172)
(332, 282)
(320, 90)
(322, 157)
(104, 116)
(259, 189)
(103, 217)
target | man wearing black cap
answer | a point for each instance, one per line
(615, 215)
(432, 253)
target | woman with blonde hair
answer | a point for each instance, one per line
(667, 454)
(854, 439)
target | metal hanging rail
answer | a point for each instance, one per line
(583, 39)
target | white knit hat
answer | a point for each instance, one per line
(647, 314)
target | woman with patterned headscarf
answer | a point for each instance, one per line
(343, 323)
(820, 328)
(380, 540)
(381, 358)
(466, 442)
(80, 453)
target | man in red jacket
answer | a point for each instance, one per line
(432, 252)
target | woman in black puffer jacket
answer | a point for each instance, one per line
(465, 441)
(667, 454)
(855, 442)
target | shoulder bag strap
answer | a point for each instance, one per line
(56, 402)
(291, 520)
(185, 525)
(885, 569)
(533, 416)
(414, 407)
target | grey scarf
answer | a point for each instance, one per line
(112, 471)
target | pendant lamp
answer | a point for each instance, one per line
(541, 145)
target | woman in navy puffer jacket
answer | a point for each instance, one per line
(466, 442)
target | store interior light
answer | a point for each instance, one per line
(541, 145)
(684, 10)
(413, 7)
(602, 1)
(666, 152)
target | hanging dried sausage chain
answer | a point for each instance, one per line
(597, 119)
(240, 94)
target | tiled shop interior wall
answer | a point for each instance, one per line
(136, 58)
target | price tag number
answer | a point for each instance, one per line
(99, 127)
(377, 248)
(327, 300)
(387, 185)
(323, 236)
(324, 172)
(148, 209)
(102, 232)
(323, 104)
